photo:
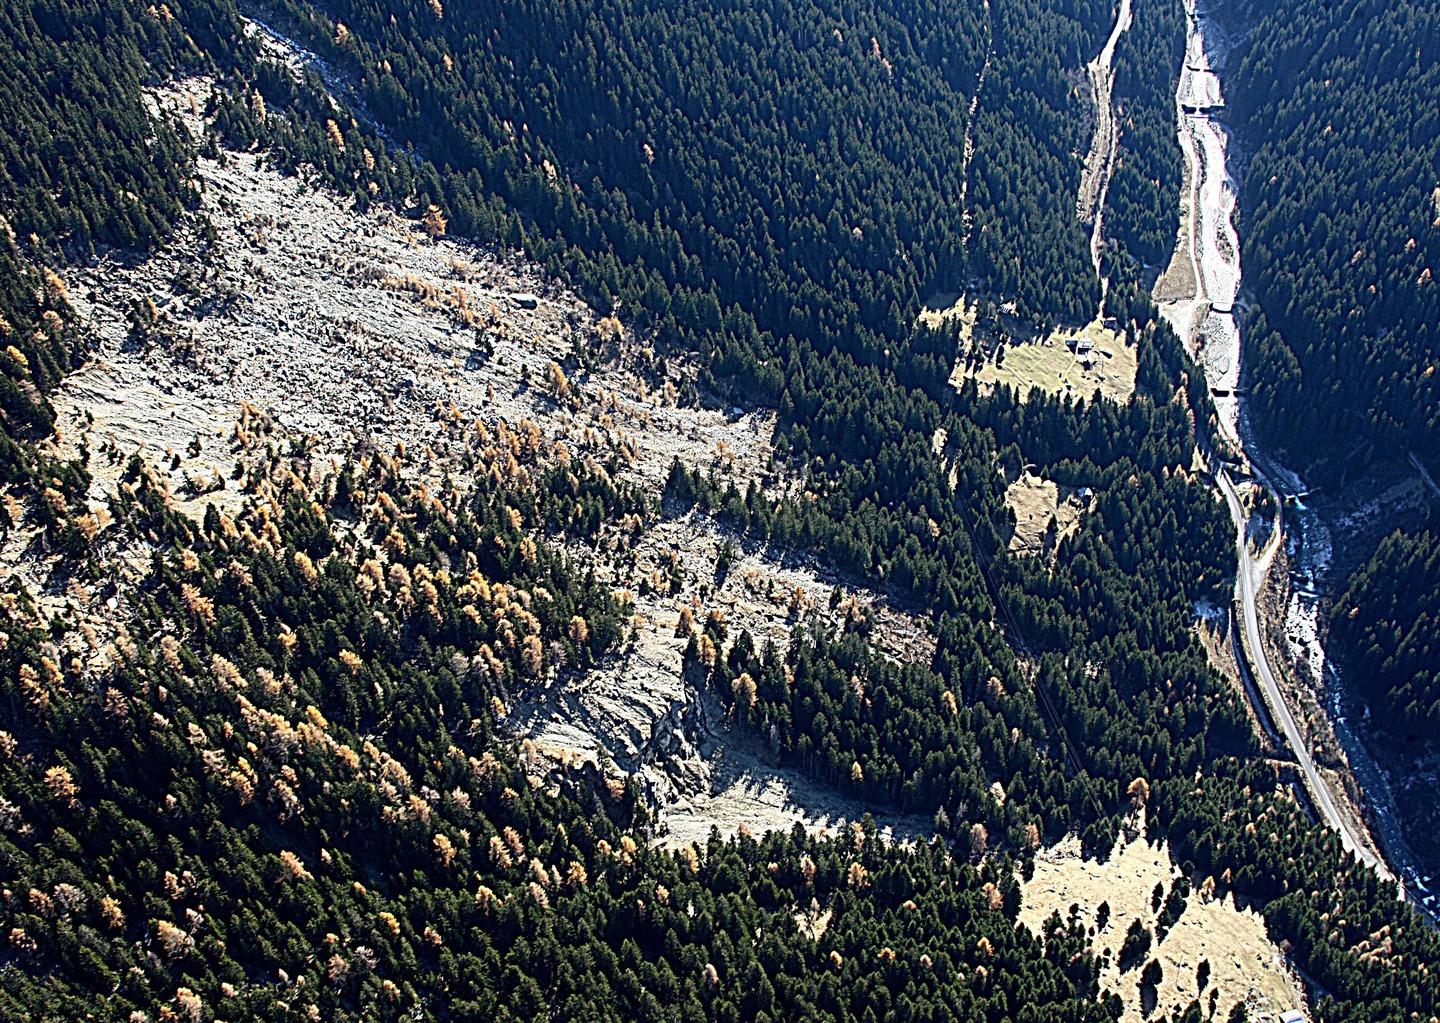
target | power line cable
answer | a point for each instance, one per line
(1031, 672)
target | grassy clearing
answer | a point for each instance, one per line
(1052, 365)
(1176, 282)
(1037, 502)
(997, 348)
(1245, 966)
(950, 305)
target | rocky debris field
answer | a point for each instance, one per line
(641, 712)
(358, 329)
(309, 325)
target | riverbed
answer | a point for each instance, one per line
(1207, 322)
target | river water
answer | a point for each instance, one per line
(1208, 323)
(1207, 320)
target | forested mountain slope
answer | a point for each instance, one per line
(824, 134)
(1342, 249)
(1026, 171)
(1387, 619)
(865, 414)
(257, 760)
(84, 162)
(1384, 631)
(1343, 244)
(272, 786)
(1141, 208)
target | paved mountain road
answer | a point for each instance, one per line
(1320, 796)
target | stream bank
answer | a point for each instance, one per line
(1206, 316)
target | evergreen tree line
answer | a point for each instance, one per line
(84, 162)
(1141, 207)
(287, 768)
(1386, 619)
(1343, 243)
